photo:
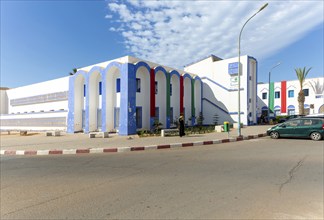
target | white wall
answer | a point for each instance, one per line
(33, 125)
(217, 88)
(47, 87)
(315, 87)
(3, 101)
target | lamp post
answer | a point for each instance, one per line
(269, 90)
(239, 69)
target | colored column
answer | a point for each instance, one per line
(283, 96)
(193, 114)
(168, 100)
(128, 100)
(271, 94)
(181, 95)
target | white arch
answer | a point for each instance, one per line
(112, 97)
(160, 97)
(143, 97)
(175, 97)
(94, 80)
(187, 99)
(78, 102)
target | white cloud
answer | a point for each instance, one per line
(175, 33)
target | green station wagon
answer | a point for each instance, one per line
(307, 127)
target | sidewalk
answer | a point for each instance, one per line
(39, 144)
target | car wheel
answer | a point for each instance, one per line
(316, 136)
(274, 135)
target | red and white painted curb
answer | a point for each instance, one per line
(126, 149)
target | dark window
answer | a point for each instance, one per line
(170, 89)
(171, 114)
(277, 95)
(139, 117)
(100, 88)
(156, 87)
(306, 92)
(84, 90)
(264, 95)
(157, 113)
(138, 85)
(290, 93)
(118, 85)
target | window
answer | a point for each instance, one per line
(139, 117)
(277, 111)
(118, 85)
(306, 92)
(170, 89)
(171, 114)
(157, 113)
(291, 111)
(138, 85)
(277, 95)
(290, 93)
(156, 87)
(116, 117)
(293, 123)
(84, 90)
(100, 88)
(264, 95)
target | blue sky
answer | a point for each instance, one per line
(44, 40)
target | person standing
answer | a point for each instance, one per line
(181, 126)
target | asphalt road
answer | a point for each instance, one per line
(256, 179)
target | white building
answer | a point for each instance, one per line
(128, 93)
(283, 97)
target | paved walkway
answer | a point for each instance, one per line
(39, 144)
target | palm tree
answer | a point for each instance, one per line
(301, 75)
(74, 71)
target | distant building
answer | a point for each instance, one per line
(127, 94)
(284, 94)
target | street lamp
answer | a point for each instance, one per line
(239, 69)
(269, 91)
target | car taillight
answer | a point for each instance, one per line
(323, 126)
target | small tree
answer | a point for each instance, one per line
(74, 70)
(301, 75)
(200, 119)
(156, 126)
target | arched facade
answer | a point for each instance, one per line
(93, 108)
(161, 95)
(197, 96)
(174, 96)
(124, 97)
(79, 101)
(142, 72)
(111, 97)
(187, 98)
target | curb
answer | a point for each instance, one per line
(125, 149)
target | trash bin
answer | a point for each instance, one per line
(226, 126)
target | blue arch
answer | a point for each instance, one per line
(277, 107)
(142, 64)
(187, 75)
(264, 108)
(174, 72)
(197, 78)
(291, 107)
(160, 68)
(306, 106)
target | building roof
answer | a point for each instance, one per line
(214, 58)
